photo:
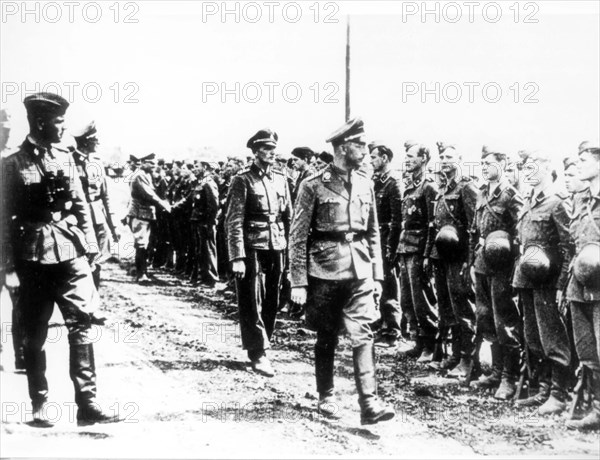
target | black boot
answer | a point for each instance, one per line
(82, 370)
(493, 380)
(324, 370)
(141, 264)
(96, 276)
(371, 409)
(415, 351)
(35, 366)
(510, 373)
(17, 336)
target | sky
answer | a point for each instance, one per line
(187, 79)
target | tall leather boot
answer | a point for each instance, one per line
(82, 370)
(371, 409)
(466, 347)
(557, 402)
(17, 336)
(96, 275)
(493, 380)
(540, 369)
(510, 373)
(35, 366)
(324, 370)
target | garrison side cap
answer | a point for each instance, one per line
(352, 130)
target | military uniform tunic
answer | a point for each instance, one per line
(335, 253)
(388, 196)
(416, 240)
(258, 218)
(585, 300)
(544, 222)
(497, 315)
(455, 205)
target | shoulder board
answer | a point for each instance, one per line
(465, 179)
(482, 186)
(277, 171)
(243, 171)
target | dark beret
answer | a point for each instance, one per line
(304, 153)
(46, 104)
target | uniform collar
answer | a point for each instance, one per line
(382, 177)
(415, 179)
(262, 172)
(499, 188)
(36, 149)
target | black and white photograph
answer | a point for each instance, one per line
(300, 229)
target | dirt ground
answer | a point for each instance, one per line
(170, 361)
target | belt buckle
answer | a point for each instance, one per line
(349, 237)
(272, 218)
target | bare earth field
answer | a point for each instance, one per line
(170, 361)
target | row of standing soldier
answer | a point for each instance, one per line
(442, 229)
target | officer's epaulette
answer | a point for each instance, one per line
(465, 179)
(243, 171)
(278, 171)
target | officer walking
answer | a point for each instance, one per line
(388, 197)
(336, 268)
(414, 249)
(93, 180)
(493, 250)
(257, 223)
(47, 233)
(583, 290)
(540, 277)
(454, 213)
(302, 157)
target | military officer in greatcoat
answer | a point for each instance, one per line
(336, 268)
(47, 242)
(492, 250)
(257, 223)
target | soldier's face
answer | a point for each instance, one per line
(572, 182)
(377, 161)
(535, 173)
(299, 163)
(355, 153)
(52, 129)
(490, 168)
(588, 166)
(412, 161)
(265, 155)
(449, 160)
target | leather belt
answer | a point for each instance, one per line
(342, 237)
(269, 218)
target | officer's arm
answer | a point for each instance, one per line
(288, 213)
(515, 204)
(304, 209)
(374, 240)
(234, 221)
(473, 233)
(107, 205)
(560, 216)
(81, 209)
(469, 199)
(212, 200)
(430, 191)
(396, 217)
(145, 190)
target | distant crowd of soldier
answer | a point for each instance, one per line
(426, 255)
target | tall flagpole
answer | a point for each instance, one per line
(348, 68)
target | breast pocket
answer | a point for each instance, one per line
(329, 210)
(364, 203)
(258, 202)
(541, 225)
